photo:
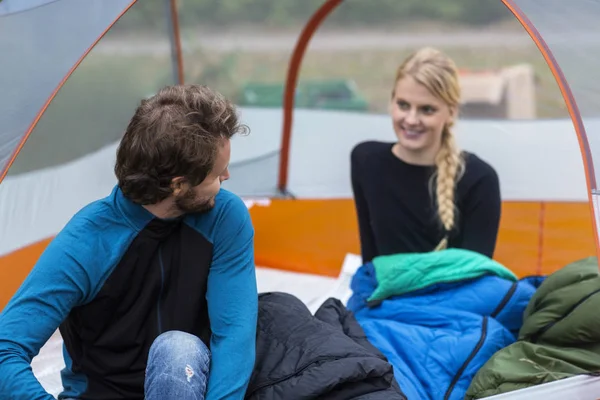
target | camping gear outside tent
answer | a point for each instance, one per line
(58, 89)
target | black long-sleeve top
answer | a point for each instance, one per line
(397, 214)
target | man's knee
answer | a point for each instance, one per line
(176, 348)
(178, 365)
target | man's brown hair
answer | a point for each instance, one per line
(176, 132)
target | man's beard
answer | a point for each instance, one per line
(189, 203)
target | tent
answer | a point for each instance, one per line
(69, 86)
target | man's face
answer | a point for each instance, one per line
(201, 198)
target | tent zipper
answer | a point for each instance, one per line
(535, 337)
(505, 300)
(463, 367)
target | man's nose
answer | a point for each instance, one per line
(225, 176)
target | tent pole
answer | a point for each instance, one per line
(290, 86)
(574, 112)
(4, 169)
(175, 39)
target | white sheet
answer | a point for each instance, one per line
(576, 388)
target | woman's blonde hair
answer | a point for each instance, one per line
(438, 73)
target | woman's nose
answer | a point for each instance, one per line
(411, 118)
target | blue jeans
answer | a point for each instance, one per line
(178, 365)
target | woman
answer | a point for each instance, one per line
(422, 193)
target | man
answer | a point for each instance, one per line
(154, 286)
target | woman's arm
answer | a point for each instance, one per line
(367, 240)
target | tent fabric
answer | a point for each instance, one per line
(439, 336)
(543, 198)
(15, 6)
(255, 177)
(27, 220)
(570, 32)
(68, 159)
(46, 43)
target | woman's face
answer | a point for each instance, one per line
(419, 118)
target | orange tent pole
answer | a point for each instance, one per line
(36, 120)
(290, 86)
(176, 41)
(560, 78)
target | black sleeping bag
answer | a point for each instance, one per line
(325, 356)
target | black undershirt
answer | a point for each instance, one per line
(396, 213)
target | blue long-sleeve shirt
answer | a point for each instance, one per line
(114, 279)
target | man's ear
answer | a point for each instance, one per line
(178, 185)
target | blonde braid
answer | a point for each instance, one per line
(438, 73)
(450, 166)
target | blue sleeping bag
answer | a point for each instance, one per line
(439, 317)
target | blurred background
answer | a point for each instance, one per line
(242, 48)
